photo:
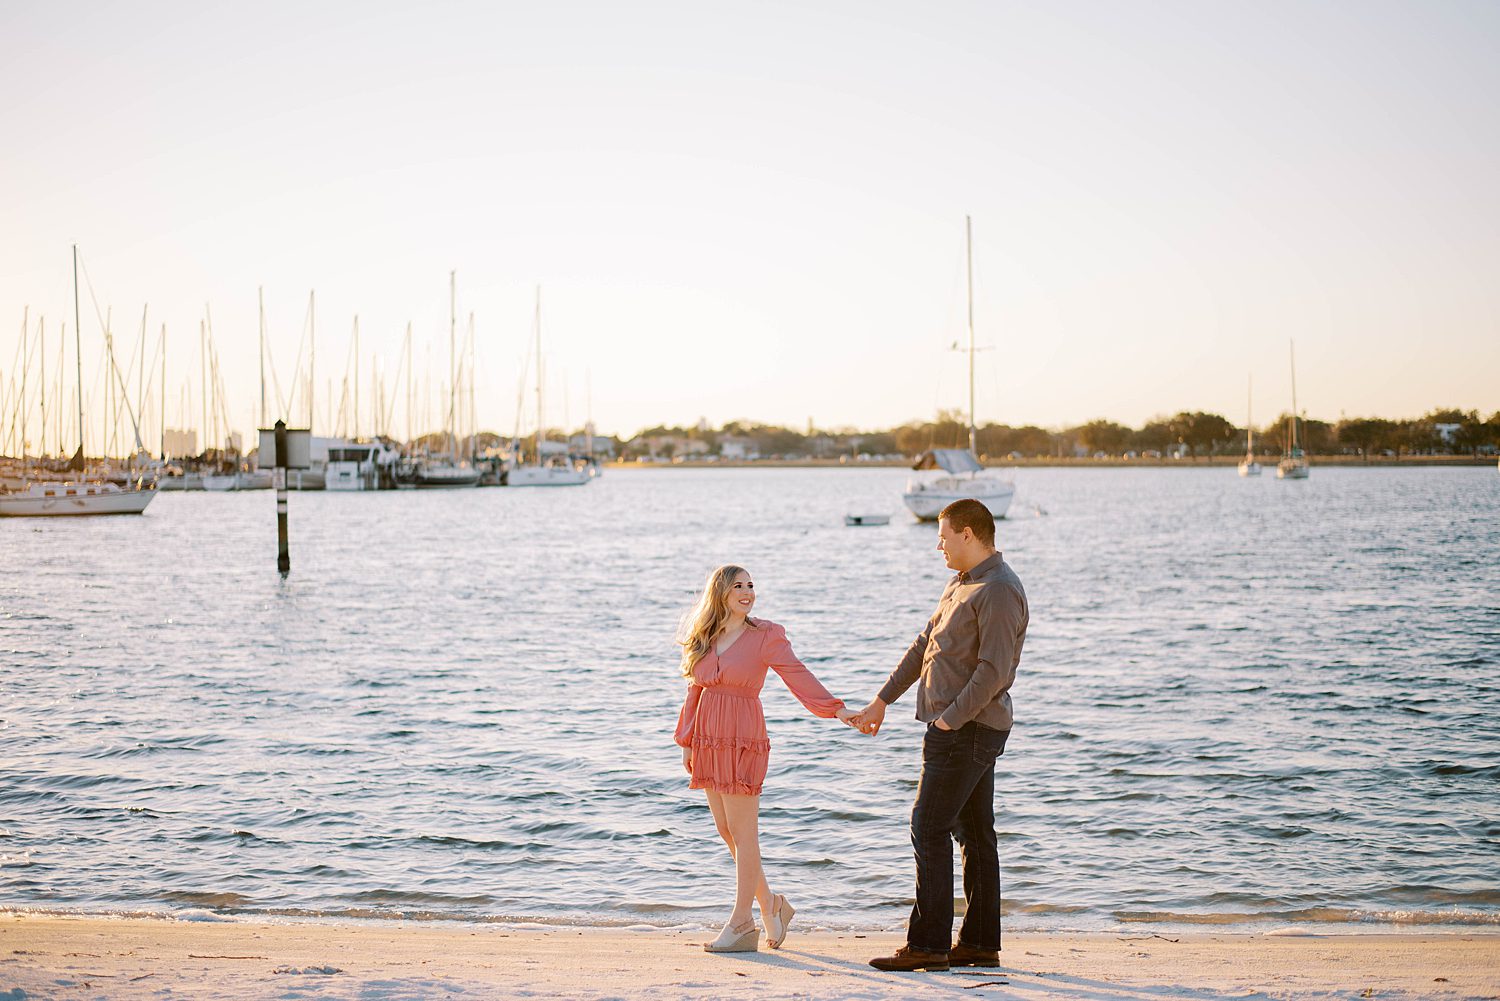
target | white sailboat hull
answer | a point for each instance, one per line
(257, 479)
(547, 476)
(59, 503)
(447, 476)
(1292, 469)
(1250, 468)
(927, 498)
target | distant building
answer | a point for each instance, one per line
(1446, 432)
(669, 446)
(180, 443)
(580, 444)
(737, 448)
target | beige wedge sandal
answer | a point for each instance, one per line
(746, 940)
(781, 913)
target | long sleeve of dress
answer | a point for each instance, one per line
(799, 680)
(688, 716)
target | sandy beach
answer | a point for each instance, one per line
(48, 956)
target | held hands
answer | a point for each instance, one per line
(846, 715)
(868, 719)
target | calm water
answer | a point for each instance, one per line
(1240, 700)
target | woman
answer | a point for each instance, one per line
(722, 731)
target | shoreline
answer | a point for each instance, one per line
(1024, 922)
(1268, 463)
(80, 956)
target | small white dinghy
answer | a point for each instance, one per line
(860, 520)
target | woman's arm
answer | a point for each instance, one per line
(799, 680)
(688, 716)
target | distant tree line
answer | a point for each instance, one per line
(1189, 433)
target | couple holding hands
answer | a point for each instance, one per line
(963, 664)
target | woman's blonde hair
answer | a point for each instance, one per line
(703, 624)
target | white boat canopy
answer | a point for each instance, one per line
(949, 460)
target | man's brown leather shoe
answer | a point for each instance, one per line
(967, 955)
(908, 959)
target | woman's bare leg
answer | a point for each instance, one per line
(721, 822)
(742, 817)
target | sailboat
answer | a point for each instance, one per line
(448, 471)
(1248, 465)
(53, 499)
(544, 473)
(964, 475)
(1293, 464)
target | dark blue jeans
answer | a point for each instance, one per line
(956, 801)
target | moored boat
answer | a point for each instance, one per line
(1293, 464)
(1248, 465)
(966, 477)
(50, 499)
(555, 472)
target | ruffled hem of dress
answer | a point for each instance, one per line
(729, 765)
(729, 788)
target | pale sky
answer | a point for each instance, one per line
(741, 210)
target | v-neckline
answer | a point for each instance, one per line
(720, 653)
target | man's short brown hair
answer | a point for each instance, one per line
(969, 513)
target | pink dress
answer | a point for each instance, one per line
(721, 718)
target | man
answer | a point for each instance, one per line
(963, 664)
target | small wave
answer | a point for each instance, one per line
(452, 841)
(1315, 915)
(416, 897)
(853, 815)
(220, 900)
(1010, 907)
(233, 837)
(1453, 768)
(199, 914)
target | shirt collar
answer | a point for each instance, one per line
(981, 568)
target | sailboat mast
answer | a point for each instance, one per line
(25, 366)
(537, 322)
(41, 340)
(969, 267)
(78, 349)
(1249, 417)
(203, 380)
(260, 295)
(62, 364)
(473, 415)
(140, 376)
(409, 433)
(312, 354)
(452, 357)
(1293, 349)
(164, 393)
